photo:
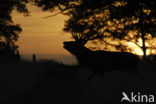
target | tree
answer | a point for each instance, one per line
(8, 30)
(142, 14)
(126, 20)
(82, 15)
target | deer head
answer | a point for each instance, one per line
(77, 45)
(80, 40)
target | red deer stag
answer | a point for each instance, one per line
(100, 61)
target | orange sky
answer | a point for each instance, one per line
(44, 36)
(41, 36)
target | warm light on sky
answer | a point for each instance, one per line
(42, 36)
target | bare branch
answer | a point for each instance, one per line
(53, 15)
(151, 47)
(61, 12)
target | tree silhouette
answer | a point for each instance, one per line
(9, 32)
(126, 20)
(141, 15)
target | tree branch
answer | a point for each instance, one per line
(61, 12)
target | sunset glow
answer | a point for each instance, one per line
(45, 36)
(42, 36)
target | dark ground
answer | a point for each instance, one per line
(49, 82)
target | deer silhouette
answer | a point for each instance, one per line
(100, 61)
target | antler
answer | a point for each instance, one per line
(78, 36)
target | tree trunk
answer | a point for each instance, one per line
(144, 47)
(143, 36)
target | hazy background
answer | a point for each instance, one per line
(43, 36)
